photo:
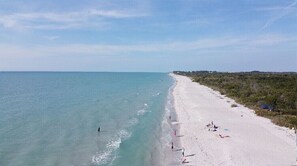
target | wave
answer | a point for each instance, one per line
(132, 122)
(108, 155)
(157, 94)
(142, 112)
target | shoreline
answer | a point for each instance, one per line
(241, 137)
(170, 156)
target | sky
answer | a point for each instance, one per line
(148, 35)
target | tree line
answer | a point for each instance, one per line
(270, 94)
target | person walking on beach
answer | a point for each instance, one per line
(171, 145)
(183, 152)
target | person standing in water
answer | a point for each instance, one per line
(98, 129)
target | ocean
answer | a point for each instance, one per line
(52, 118)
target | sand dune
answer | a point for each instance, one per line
(242, 138)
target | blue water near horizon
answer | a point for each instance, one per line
(51, 118)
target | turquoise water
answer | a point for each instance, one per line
(52, 118)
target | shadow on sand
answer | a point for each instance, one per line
(178, 149)
(190, 155)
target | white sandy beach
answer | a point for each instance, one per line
(248, 140)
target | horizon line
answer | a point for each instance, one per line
(78, 71)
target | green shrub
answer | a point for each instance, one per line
(255, 88)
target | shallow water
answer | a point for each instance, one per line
(52, 118)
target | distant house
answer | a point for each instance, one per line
(267, 107)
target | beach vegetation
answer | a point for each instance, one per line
(270, 94)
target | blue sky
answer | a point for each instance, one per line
(148, 35)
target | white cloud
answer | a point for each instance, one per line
(51, 37)
(115, 13)
(270, 40)
(177, 47)
(68, 20)
(280, 13)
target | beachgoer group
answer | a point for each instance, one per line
(212, 127)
